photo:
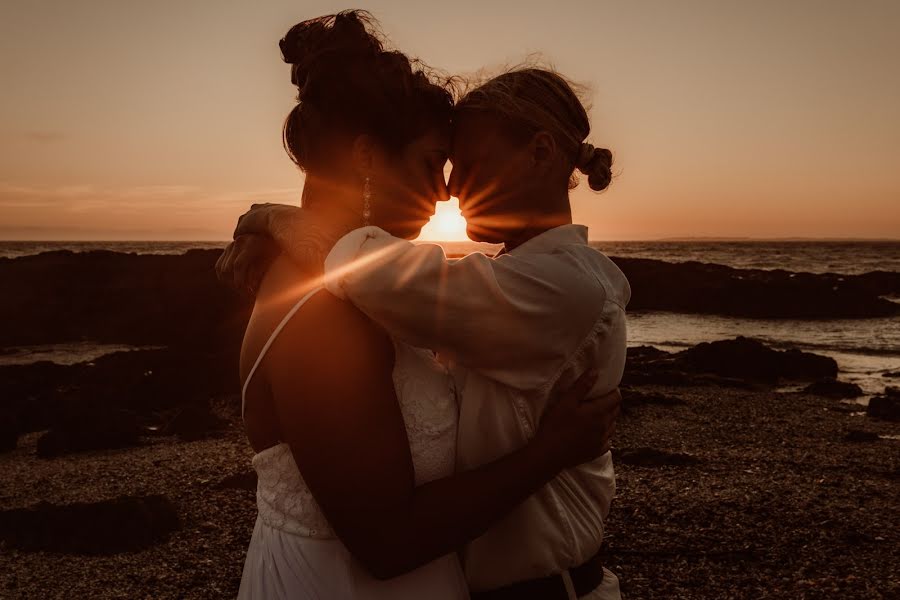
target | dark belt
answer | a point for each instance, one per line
(585, 579)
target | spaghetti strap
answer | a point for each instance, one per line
(271, 340)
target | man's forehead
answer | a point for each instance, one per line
(472, 134)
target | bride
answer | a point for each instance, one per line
(355, 432)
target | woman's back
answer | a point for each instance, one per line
(295, 551)
(283, 287)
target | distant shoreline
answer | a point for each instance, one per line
(593, 241)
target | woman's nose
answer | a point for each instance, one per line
(440, 189)
(453, 183)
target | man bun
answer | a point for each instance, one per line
(596, 163)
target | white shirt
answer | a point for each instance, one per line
(515, 328)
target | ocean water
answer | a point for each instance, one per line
(17, 249)
(865, 349)
(845, 257)
(63, 354)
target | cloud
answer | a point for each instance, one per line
(45, 137)
(246, 198)
(160, 191)
(161, 211)
(161, 194)
(80, 196)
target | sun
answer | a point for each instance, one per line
(447, 224)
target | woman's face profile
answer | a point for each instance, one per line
(410, 185)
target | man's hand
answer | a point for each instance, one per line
(303, 235)
(245, 262)
(269, 218)
(577, 427)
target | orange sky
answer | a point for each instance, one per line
(161, 120)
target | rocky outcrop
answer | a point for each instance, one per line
(694, 287)
(885, 407)
(135, 299)
(119, 298)
(739, 362)
(745, 358)
(83, 429)
(860, 436)
(832, 388)
(176, 302)
(150, 383)
(9, 432)
(194, 422)
(124, 524)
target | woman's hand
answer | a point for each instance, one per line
(576, 429)
(245, 262)
(304, 236)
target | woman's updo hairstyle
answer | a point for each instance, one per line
(349, 85)
(528, 100)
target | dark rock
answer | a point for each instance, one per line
(120, 298)
(651, 457)
(726, 382)
(77, 431)
(656, 375)
(9, 436)
(832, 388)
(892, 374)
(147, 382)
(240, 481)
(9, 429)
(639, 354)
(857, 435)
(745, 358)
(738, 363)
(177, 301)
(124, 524)
(194, 423)
(886, 407)
(694, 287)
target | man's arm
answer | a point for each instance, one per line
(334, 395)
(516, 319)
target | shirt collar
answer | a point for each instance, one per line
(553, 239)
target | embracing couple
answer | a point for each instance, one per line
(427, 428)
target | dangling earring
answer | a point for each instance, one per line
(367, 201)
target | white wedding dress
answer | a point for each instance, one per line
(295, 554)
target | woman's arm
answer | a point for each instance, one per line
(515, 319)
(334, 394)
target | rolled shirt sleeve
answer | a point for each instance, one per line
(515, 319)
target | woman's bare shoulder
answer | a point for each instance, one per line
(323, 321)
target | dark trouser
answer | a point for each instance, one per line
(585, 579)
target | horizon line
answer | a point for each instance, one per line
(662, 239)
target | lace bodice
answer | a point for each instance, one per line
(427, 402)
